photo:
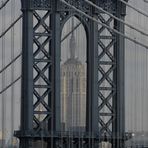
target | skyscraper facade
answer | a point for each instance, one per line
(73, 90)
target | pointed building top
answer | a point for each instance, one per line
(72, 44)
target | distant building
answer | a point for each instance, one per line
(73, 91)
(138, 140)
(39, 144)
(13, 143)
(105, 145)
(2, 141)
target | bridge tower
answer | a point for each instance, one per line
(43, 21)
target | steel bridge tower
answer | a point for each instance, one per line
(42, 47)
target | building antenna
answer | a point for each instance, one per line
(72, 45)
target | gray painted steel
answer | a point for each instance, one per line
(105, 76)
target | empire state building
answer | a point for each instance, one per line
(73, 91)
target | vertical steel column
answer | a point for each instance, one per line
(111, 75)
(55, 126)
(27, 77)
(92, 78)
(119, 101)
(93, 49)
(40, 104)
(57, 54)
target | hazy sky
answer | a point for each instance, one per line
(136, 64)
(136, 61)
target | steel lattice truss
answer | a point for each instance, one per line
(106, 67)
(43, 63)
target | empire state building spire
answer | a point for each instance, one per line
(72, 44)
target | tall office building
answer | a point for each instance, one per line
(105, 145)
(73, 90)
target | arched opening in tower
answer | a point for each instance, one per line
(73, 73)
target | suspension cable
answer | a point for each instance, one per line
(2, 91)
(133, 40)
(12, 71)
(106, 26)
(3, 107)
(135, 92)
(138, 10)
(9, 64)
(3, 33)
(4, 4)
(118, 19)
(67, 35)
